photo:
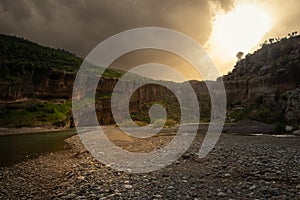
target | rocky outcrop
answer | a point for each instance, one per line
(52, 84)
(17, 89)
(291, 105)
(267, 78)
(43, 84)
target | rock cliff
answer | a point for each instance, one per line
(268, 79)
(263, 86)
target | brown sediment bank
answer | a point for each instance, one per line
(245, 126)
(27, 130)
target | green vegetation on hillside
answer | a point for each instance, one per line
(261, 114)
(20, 60)
(18, 55)
(173, 112)
(35, 114)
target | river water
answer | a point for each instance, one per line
(16, 148)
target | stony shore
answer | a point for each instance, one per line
(239, 167)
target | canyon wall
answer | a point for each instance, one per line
(268, 78)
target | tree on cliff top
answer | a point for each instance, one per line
(239, 56)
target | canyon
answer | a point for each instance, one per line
(263, 86)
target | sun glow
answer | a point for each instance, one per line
(239, 30)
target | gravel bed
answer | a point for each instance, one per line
(239, 167)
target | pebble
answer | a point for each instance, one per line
(170, 187)
(127, 186)
(221, 194)
(81, 178)
(249, 160)
(252, 187)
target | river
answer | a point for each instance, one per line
(16, 148)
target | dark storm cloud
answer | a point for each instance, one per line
(286, 17)
(79, 25)
(225, 5)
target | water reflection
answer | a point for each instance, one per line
(15, 148)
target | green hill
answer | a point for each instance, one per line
(37, 81)
(40, 74)
(18, 55)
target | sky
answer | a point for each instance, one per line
(221, 27)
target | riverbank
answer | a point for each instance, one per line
(27, 130)
(239, 167)
(245, 127)
(16, 148)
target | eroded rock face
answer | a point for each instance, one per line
(268, 77)
(53, 84)
(43, 84)
(292, 105)
(147, 95)
(18, 89)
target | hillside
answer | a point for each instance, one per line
(19, 55)
(42, 78)
(36, 87)
(264, 86)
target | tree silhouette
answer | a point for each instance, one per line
(239, 56)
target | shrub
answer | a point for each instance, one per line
(140, 123)
(259, 100)
(275, 52)
(32, 114)
(294, 71)
(280, 127)
(158, 123)
(170, 123)
(161, 122)
(284, 60)
(127, 124)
